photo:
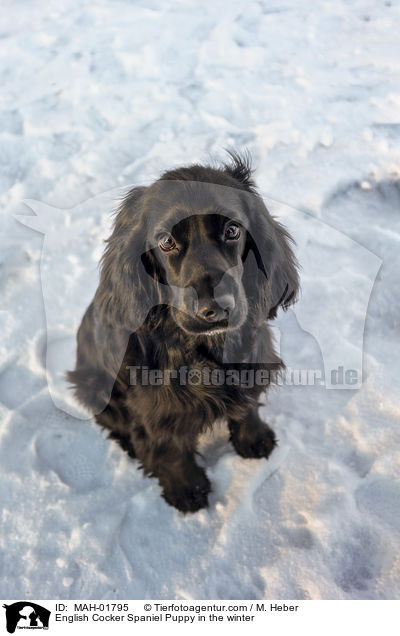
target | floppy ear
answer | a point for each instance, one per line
(283, 271)
(127, 290)
(270, 273)
(269, 246)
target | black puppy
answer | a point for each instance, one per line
(193, 269)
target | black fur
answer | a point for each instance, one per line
(205, 298)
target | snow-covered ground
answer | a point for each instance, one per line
(103, 95)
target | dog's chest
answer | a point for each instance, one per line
(181, 382)
(186, 380)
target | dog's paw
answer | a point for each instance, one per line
(189, 497)
(261, 444)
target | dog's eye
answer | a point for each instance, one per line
(166, 243)
(232, 232)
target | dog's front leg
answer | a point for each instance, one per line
(250, 436)
(184, 484)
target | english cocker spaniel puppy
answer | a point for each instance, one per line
(177, 333)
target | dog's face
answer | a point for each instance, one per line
(201, 241)
(200, 260)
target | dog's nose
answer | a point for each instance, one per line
(218, 309)
(212, 312)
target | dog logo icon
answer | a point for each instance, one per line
(26, 615)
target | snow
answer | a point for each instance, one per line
(97, 97)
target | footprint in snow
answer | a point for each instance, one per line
(76, 453)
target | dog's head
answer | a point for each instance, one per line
(201, 241)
